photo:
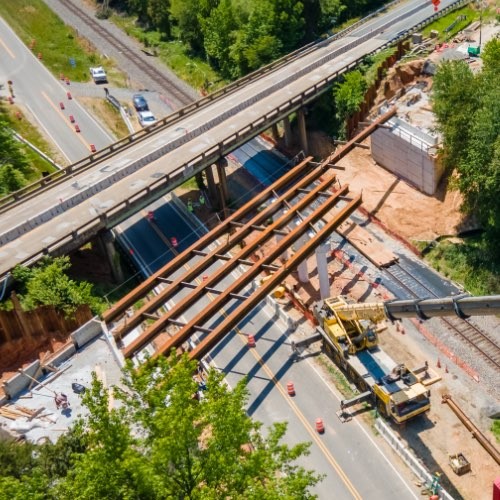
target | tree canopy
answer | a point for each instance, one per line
(164, 439)
(13, 164)
(467, 108)
(239, 36)
(48, 283)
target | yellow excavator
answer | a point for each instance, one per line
(349, 333)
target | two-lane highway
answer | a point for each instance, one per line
(37, 87)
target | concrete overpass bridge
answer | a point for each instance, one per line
(62, 213)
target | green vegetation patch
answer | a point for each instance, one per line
(444, 22)
(495, 429)
(469, 263)
(40, 28)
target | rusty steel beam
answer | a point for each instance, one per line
(472, 428)
(338, 155)
(209, 258)
(232, 262)
(152, 330)
(232, 320)
(146, 286)
(181, 336)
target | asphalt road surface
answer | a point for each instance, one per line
(41, 94)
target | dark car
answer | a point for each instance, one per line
(140, 104)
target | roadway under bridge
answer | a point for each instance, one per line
(64, 213)
(200, 296)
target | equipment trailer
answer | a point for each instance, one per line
(349, 333)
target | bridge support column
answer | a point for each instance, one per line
(224, 193)
(303, 274)
(288, 132)
(302, 130)
(108, 243)
(275, 132)
(322, 265)
(212, 187)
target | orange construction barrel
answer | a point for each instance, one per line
(251, 341)
(320, 426)
(290, 389)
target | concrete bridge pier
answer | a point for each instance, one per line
(213, 192)
(288, 132)
(303, 274)
(301, 118)
(107, 241)
(223, 189)
(275, 132)
(322, 265)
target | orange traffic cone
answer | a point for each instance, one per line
(251, 341)
(290, 388)
(71, 118)
(61, 105)
(92, 148)
(77, 128)
(320, 426)
(68, 94)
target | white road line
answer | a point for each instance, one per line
(47, 132)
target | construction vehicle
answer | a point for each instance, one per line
(349, 333)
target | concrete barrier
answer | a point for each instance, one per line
(63, 354)
(86, 332)
(19, 382)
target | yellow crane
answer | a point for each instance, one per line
(349, 333)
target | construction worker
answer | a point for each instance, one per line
(190, 205)
(201, 200)
(61, 401)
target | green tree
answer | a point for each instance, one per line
(165, 443)
(11, 179)
(467, 108)
(48, 284)
(348, 97)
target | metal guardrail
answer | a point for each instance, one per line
(11, 199)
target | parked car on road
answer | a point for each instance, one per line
(140, 103)
(146, 118)
(98, 75)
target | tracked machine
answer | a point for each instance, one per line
(349, 333)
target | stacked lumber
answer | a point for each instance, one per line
(13, 412)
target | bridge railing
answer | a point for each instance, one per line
(7, 201)
(114, 215)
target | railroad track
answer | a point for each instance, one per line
(464, 329)
(158, 77)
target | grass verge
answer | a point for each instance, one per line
(29, 132)
(194, 71)
(468, 262)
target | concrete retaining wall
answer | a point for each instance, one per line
(20, 382)
(62, 355)
(86, 332)
(406, 156)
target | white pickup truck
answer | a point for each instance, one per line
(98, 74)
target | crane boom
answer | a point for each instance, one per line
(462, 306)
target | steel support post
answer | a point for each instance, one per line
(107, 240)
(275, 132)
(221, 171)
(301, 116)
(212, 187)
(288, 132)
(322, 266)
(302, 271)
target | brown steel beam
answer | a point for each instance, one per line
(152, 330)
(209, 258)
(146, 286)
(198, 268)
(338, 155)
(232, 320)
(181, 336)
